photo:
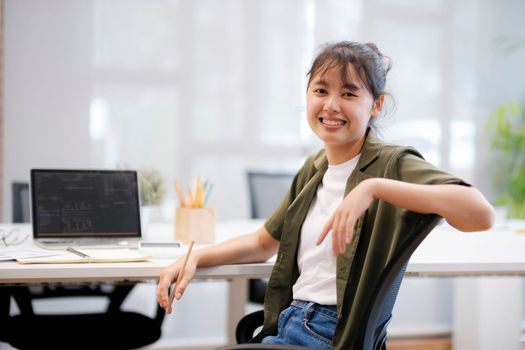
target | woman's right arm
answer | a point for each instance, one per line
(254, 247)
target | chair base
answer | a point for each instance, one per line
(263, 346)
(86, 331)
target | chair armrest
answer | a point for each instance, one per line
(247, 326)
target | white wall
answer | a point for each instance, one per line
(47, 87)
(500, 76)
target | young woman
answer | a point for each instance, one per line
(353, 191)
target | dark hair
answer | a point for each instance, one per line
(368, 62)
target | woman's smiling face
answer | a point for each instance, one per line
(338, 112)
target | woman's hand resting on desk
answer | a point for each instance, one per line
(258, 246)
(169, 275)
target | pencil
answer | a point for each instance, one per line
(179, 277)
(208, 191)
(178, 188)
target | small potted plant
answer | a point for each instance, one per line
(507, 128)
(152, 188)
(152, 193)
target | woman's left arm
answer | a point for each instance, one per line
(463, 207)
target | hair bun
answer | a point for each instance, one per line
(387, 62)
(374, 47)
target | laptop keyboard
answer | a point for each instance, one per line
(91, 242)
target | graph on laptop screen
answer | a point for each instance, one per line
(85, 203)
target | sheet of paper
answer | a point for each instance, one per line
(7, 254)
(112, 254)
(85, 255)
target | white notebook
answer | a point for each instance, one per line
(80, 255)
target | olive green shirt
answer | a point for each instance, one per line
(378, 233)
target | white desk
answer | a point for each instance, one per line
(14, 273)
(448, 252)
(488, 310)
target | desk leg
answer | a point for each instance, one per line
(488, 312)
(238, 291)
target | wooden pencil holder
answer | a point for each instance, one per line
(195, 224)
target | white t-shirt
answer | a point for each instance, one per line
(317, 264)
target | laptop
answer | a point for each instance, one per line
(85, 208)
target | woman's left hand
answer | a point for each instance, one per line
(343, 220)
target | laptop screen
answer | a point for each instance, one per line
(85, 203)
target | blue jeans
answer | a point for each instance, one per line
(307, 324)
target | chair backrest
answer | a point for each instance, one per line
(20, 202)
(373, 330)
(372, 333)
(266, 191)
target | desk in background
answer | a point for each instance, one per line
(488, 267)
(488, 287)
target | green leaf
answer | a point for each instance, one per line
(507, 128)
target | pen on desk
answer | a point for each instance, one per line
(74, 251)
(209, 187)
(179, 277)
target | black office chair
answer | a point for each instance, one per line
(113, 328)
(20, 202)
(372, 333)
(266, 192)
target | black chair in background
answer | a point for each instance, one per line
(20, 202)
(372, 333)
(112, 328)
(266, 192)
